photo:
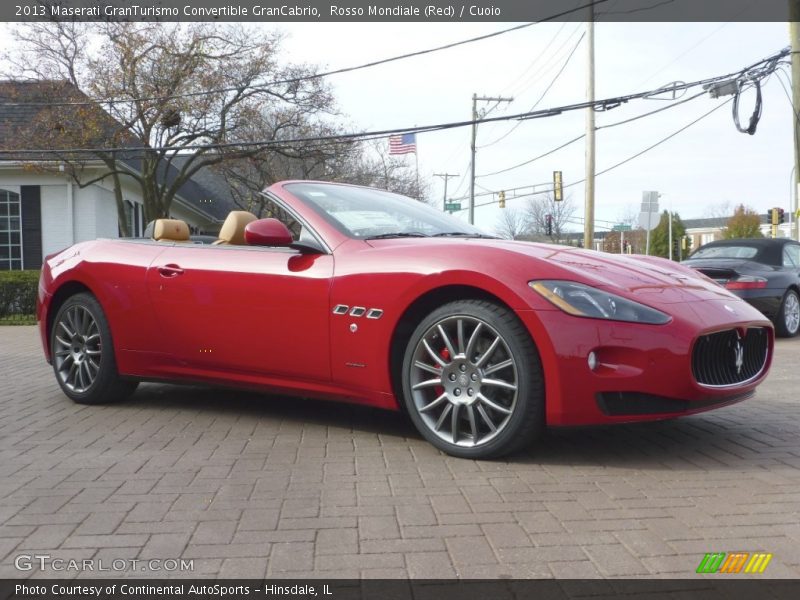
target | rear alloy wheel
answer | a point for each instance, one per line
(472, 380)
(788, 322)
(83, 355)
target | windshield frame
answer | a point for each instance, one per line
(440, 222)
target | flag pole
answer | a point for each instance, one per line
(416, 160)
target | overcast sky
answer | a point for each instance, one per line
(709, 164)
(706, 165)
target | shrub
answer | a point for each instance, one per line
(18, 291)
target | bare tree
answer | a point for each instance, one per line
(628, 216)
(187, 94)
(511, 224)
(561, 213)
(720, 210)
(376, 167)
(360, 163)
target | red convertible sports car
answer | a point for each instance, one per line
(360, 295)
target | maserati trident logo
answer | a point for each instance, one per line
(738, 356)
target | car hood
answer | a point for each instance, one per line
(648, 279)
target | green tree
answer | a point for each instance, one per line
(745, 223)
(659, 237)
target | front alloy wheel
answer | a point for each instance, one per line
(472, 380)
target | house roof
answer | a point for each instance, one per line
(713, 222)
(25, 105)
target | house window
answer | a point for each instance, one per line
(10, 231)
(134, 217)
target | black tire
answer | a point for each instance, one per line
(83, 353)
(787, 323)
(474, 381)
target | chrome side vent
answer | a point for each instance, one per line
(357, 311)
(374, 313)
(340, 309)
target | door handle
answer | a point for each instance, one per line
(170, 270)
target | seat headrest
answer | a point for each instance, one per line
(232, 231)
(171, 230)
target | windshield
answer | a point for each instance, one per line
(725, 252)
(369, 213)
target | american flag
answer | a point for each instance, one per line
(403, 144)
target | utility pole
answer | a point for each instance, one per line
(794, 33)
(475, 100)
(670, 233)
(445, 176)
(588, 218)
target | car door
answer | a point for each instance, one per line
(244, 310)
(791, 256)
(791, 262)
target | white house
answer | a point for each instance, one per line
(43, 210)
(704, 231)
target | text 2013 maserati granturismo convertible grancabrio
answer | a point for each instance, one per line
(360, 295)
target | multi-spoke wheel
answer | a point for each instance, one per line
(788, 321)
(472, 380)
(83, 355)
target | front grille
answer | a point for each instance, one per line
(730, 357)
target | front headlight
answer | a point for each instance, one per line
(584, 301)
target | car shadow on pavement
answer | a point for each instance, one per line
(261, 406)
(731, 438)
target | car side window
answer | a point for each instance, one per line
(791, 255)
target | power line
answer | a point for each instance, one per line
(516, 85)
(508, 88)
(580, 137)
(603, 104)
(547, 89)
(292, 80)
(627, 160)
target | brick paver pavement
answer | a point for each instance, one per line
(252, 486)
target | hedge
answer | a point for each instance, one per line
(18, 296)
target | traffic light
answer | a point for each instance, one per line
(558, 187)
(781, 216)
(501, 201)
(776, 216)
(548, 225)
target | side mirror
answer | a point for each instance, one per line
(267, 232)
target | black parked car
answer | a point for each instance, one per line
(764, 272)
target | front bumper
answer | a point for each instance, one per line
(644, 371)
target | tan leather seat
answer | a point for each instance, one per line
(232, 231)
(170, 230)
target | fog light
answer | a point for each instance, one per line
(592, 360)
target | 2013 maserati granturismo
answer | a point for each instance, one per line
(356, 294)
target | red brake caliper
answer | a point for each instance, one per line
(445, 354)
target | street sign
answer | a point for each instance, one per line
(650, 201)
(451, 206)
(622, 227)
(649, 217)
